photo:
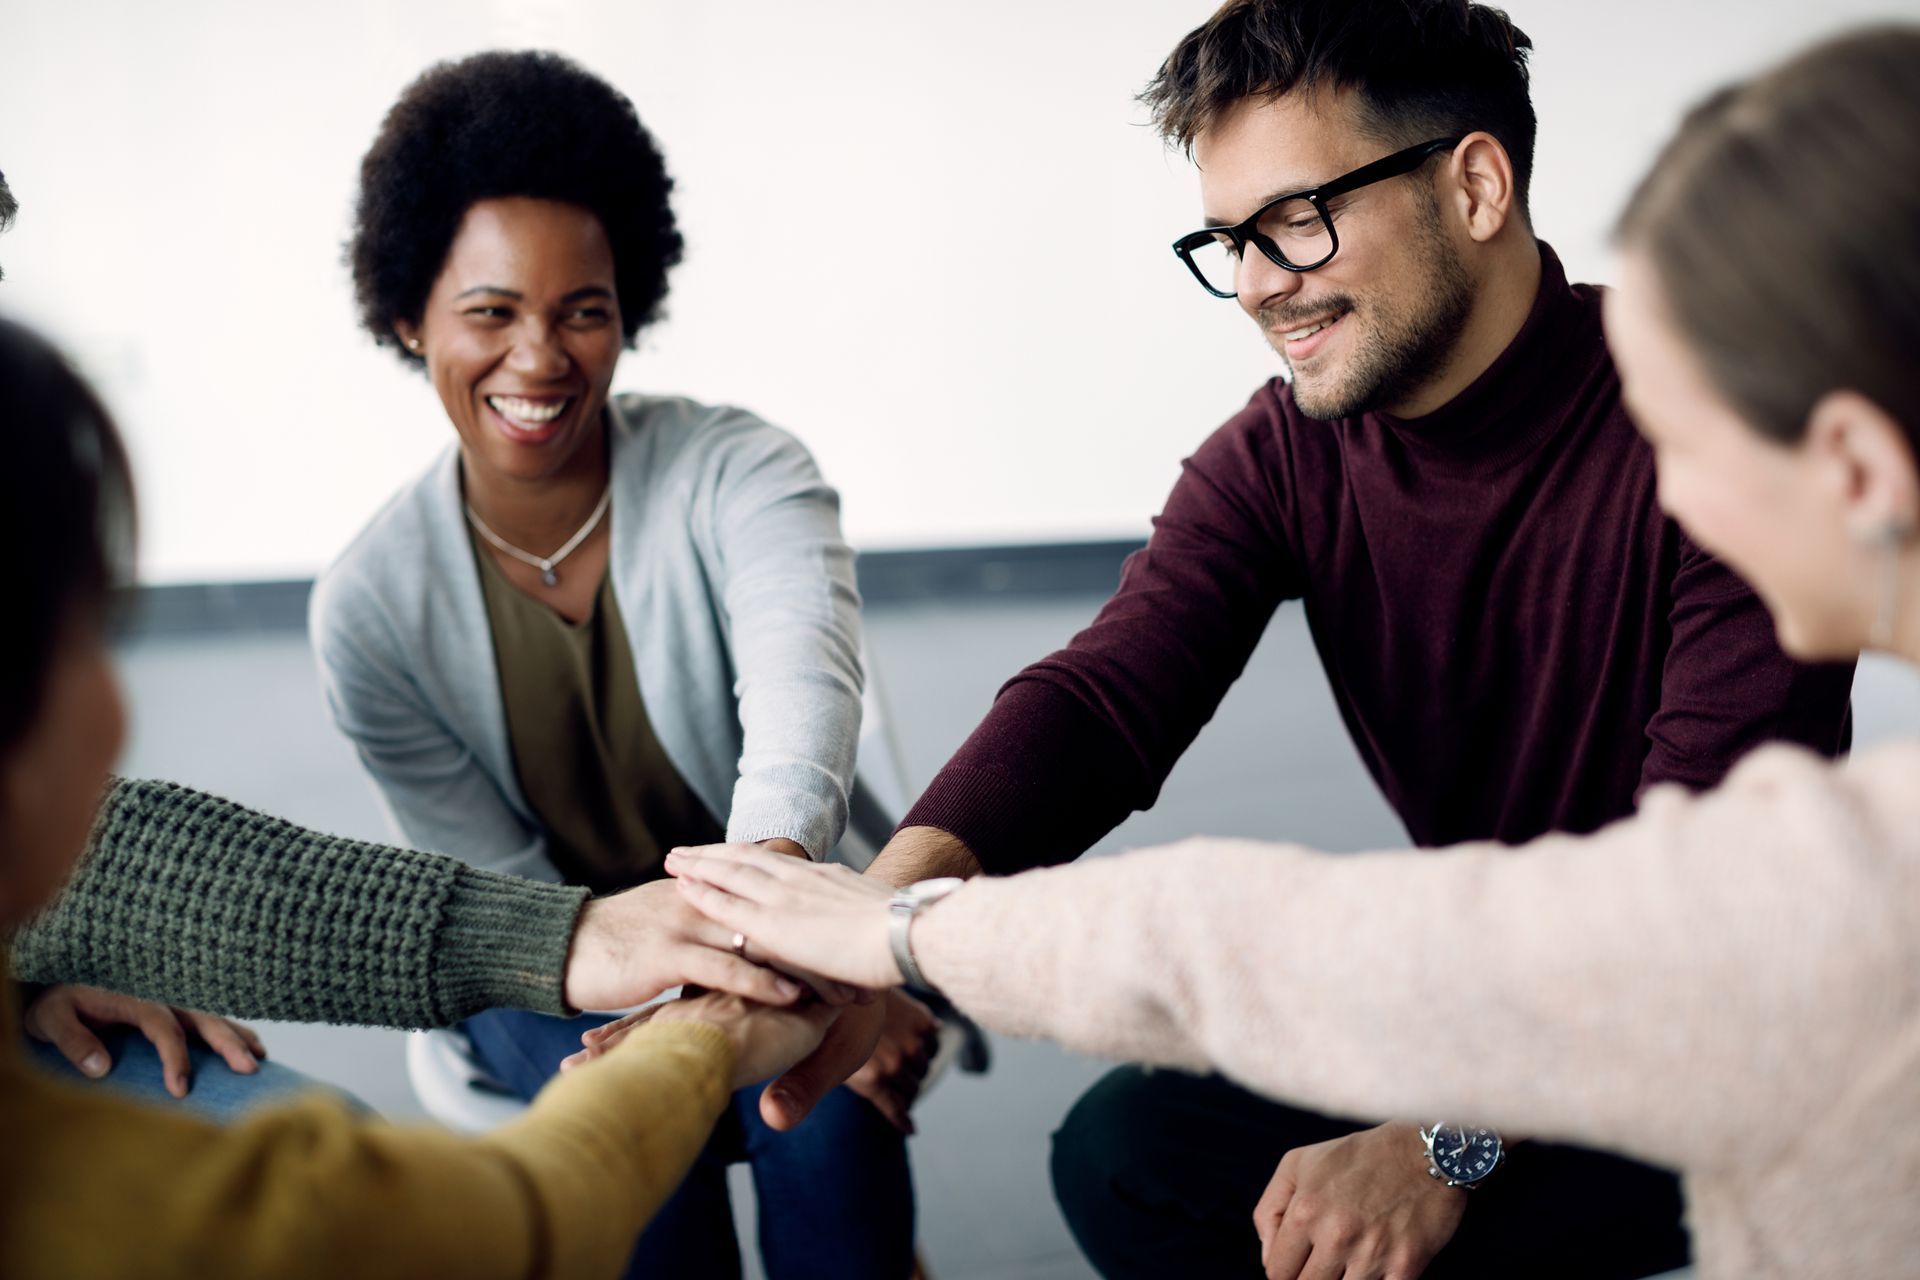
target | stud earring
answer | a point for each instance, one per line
(413, 344)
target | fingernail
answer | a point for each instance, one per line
(787, 987)
(94, 1065)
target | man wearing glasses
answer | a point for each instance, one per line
(1517, 639)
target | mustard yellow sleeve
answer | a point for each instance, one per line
(98, 1185)
(603, 1149)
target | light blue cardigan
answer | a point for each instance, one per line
(738, 596)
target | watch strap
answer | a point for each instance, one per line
(906, 904)
(903, 911)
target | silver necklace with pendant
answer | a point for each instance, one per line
(545, 564)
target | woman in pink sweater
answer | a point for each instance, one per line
(1727, 984)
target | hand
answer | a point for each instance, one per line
(62, 1015)
(892, 1076)
(848, 1037)
(631, 946)
(1361, 1207)
(766, 1039)
(824, 918)
(846, 1047)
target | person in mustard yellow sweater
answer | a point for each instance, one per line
(92, 1184)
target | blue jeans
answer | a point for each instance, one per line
(835, 1195)
(215, 1090)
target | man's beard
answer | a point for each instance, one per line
(1391, 362)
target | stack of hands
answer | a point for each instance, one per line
(794, 961)
(1359, 1206)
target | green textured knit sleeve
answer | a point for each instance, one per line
(196, 901)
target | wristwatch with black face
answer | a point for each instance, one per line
(1461, 1157)
(905, 904)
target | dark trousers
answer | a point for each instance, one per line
(1158, 1172)
(835, 1195)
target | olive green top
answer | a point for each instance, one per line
(193, 900)
(583, 749)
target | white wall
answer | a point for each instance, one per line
(930, 238)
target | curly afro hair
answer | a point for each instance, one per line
(506, 124)
(8, 207)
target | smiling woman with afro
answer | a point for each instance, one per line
(600, 625)
(507, 124)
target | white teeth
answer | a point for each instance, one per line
(1307, 332)
(527, 411)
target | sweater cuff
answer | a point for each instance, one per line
(984, 810)
(503, 944)
(813, 817)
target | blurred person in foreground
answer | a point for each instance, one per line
(1726, 984)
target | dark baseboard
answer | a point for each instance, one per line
(932, 575)
(962, 573)
(193, 608)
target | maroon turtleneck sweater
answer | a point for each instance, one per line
(1517, 639)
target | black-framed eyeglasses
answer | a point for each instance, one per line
(1295, 231)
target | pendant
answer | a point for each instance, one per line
(548, 576)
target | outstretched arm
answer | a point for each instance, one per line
(263, 918)
(1597, 990)
(309, 1190)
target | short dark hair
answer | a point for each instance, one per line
(1420, 68)
(67, 493)
(1783, 220)
(506, 124)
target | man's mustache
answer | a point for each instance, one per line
(1293, 317)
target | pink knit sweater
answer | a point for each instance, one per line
(1727, 985)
